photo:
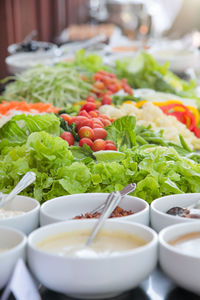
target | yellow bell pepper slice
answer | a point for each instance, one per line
(80, 103)
(129, 102)
(195, 112)
(140, 103)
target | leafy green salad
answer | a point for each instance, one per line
(32, 143)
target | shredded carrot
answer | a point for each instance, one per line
(7, 106)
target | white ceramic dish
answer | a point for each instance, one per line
(16, 241)
(158, 208)
(67, 207)
(20, 62)
(97, 277)
(14, 48)
(179, 57)
(184, 269)
(26, 222)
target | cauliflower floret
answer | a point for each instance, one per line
(111, 111)
(152, 115)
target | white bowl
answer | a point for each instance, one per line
(67, 207)
(179, 57)
(16, 241)
(20, 62)
(183, 268)
(92, 277)
(14, 48)
(26, 222)
(160, 219)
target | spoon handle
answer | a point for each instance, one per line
(26, 180)
(125, 191)
(111, 202)
(110, 205)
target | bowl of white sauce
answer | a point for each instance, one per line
(122, 255)
(179, 254)
(12, 247)
(21, 213)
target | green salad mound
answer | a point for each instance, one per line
(61, 170)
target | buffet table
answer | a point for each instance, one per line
(157, 287)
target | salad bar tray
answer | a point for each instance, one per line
(156, 287)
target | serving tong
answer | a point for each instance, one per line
(107, 208)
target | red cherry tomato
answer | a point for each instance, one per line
(93, 114)
(113, 87)
(126, 87)
(109, 142)
(81, 121)
(108, 93)
(105, 121)
(104, 117)
(72, 120)
(97, 125)
(90, 99)
(86, 141)
(110, 147)
(97, 120)
(87, 122)
(86, 132)
(68, 137)
(98, 145)
(98, 85)
(106, 100)
(99, 133)
(88, 106)
(84, 113)
(97, 76)
(66, 117)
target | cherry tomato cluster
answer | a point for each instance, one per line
(107, 84)
(89, 125)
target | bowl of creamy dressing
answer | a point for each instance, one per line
(67, 207)
(179, 254)
(12, 247)
(122, 255)
(21, 213)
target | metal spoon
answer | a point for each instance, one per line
(126, 190)
(26, 180)
(193, 209)
(177, 211)
(110, 204)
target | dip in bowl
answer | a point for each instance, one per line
(12, 247)
(21, 213)
(179, 254)
(58, 258)
(68, 207)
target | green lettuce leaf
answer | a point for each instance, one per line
(121, 131)
(90, 62)
(75, 178)
(143, 71)
(48, 152)
(17, 130)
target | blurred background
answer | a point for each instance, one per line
(123, 25)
